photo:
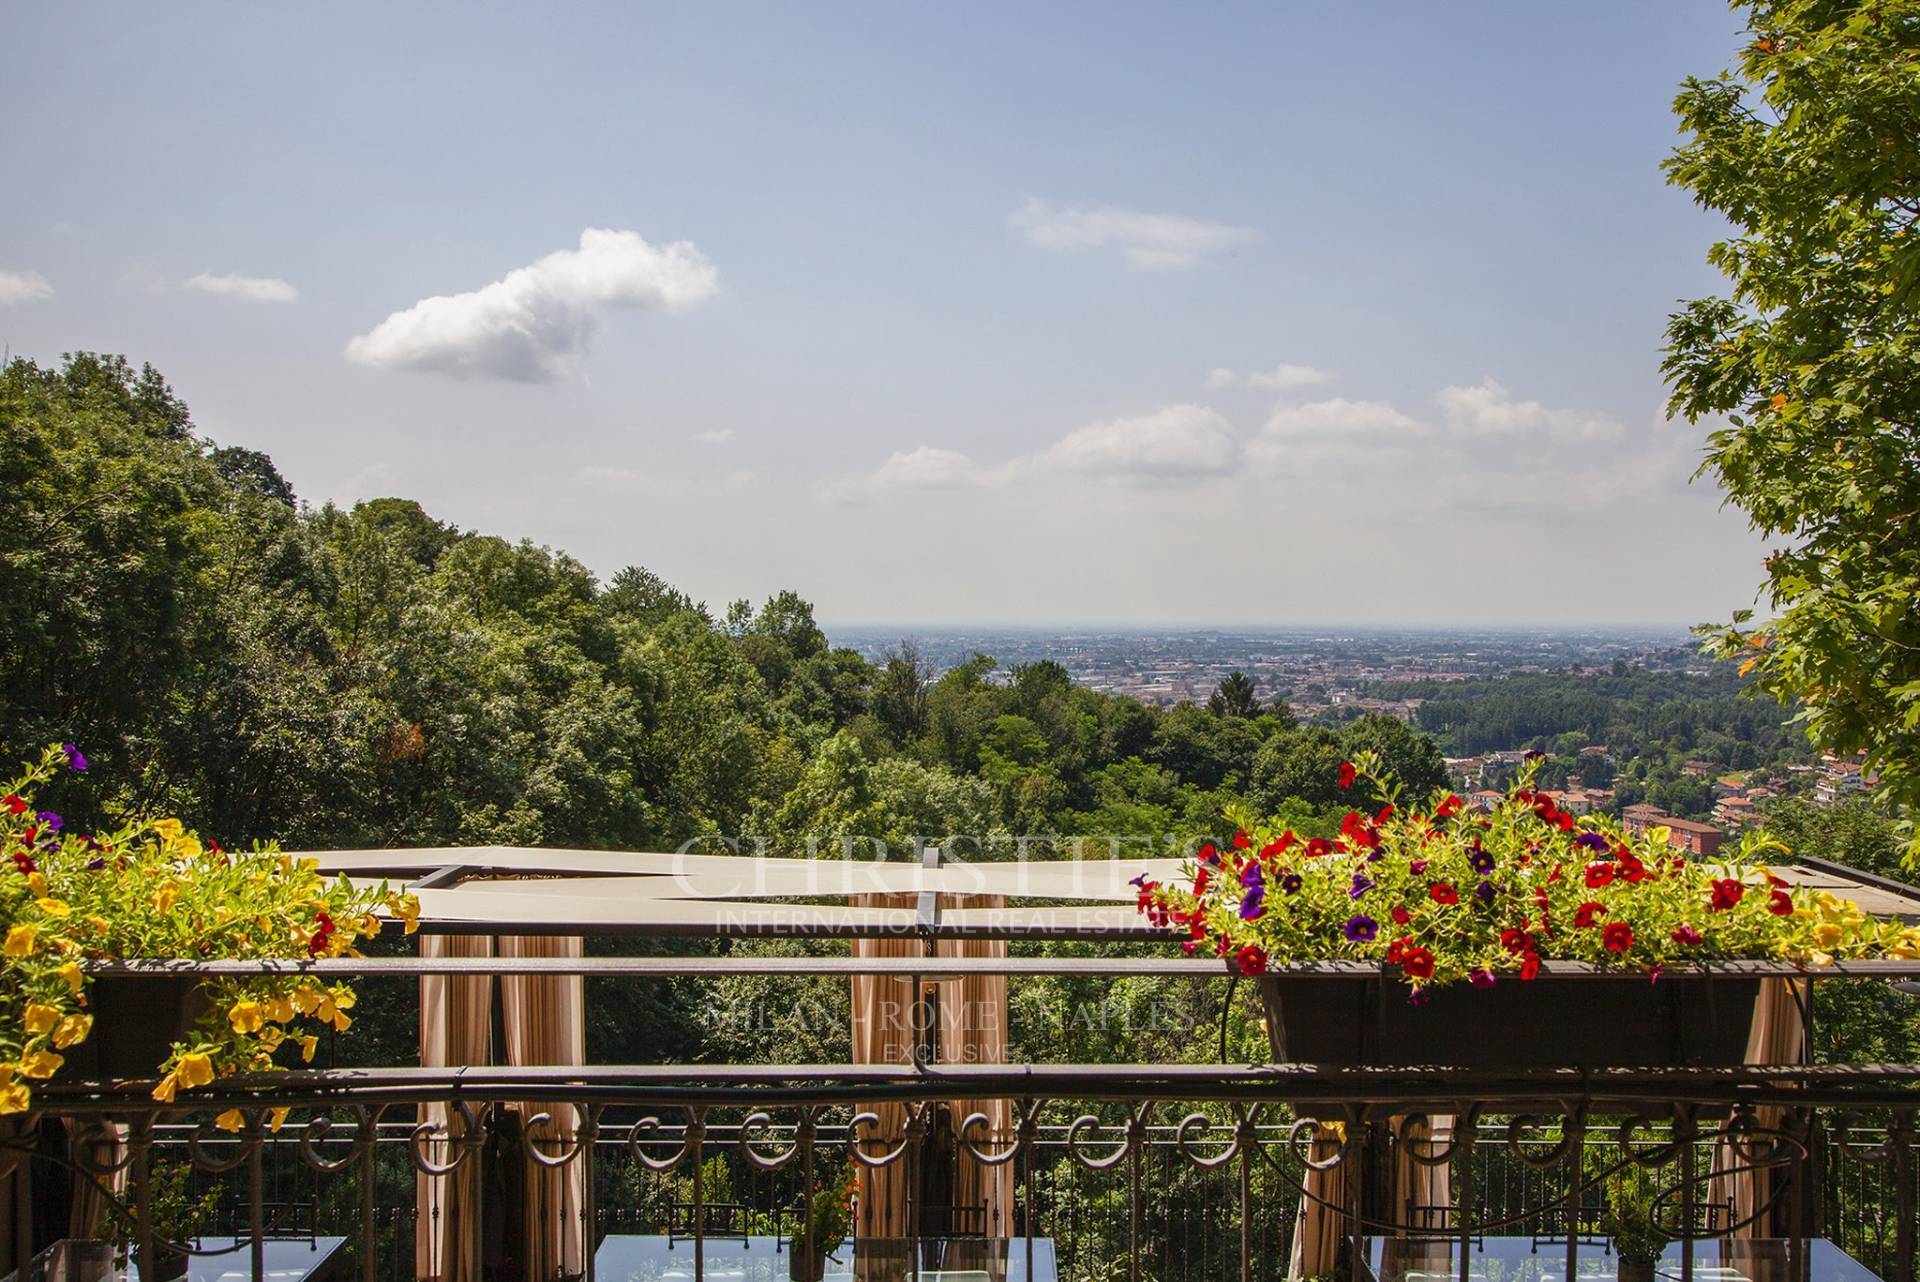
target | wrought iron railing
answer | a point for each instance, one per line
(1142, 1172)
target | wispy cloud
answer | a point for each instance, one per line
(529, 325)
(1281, 377)
(1488, 409)
(23, 287)
(715, 436)
(1145, 240)
(1221, 376)
(1338, 416)
(249, 289)
(1170, 443)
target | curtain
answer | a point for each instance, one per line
(882, 1011)
(973, 1030)
(16, 1202)
(1319, 1231)
(87, 1211)
(1778, 1037)
(544, 1017)
(456, 1027)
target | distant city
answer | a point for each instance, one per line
(1311, 668)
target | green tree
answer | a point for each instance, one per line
(1813, 358)
(1235, 696)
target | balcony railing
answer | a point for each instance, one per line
(1135, 1171)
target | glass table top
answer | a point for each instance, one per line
(1526, 1259)
(634, 1258)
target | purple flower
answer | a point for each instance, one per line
(1418, 997)
(1481, 860)
(1417, 867)
(1361, 885)
(1139, 881)
(1290, 883)
(1592, 841)
(1251, 903)
(1533, 754)
(1361, 928)
(1481, 978)
(96, 864)
(1484, 892)
(76, 759)
(1251, 876)
(52, 821)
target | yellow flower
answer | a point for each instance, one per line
(343, 998)
(342, 1021)
(20, 940)
(189, 847)
(231, 1120)
(72, 1030)
(194, 1069)
(276, 1117)
(169, 829)
(246, 1016)
(70, 971)
(41, 1064)
(37, 882)
(40, 1018)
(164, 1089)
(279, 1009)
(308, 1045)
(53, 907)
(164, 898)
(14, 1099)
(306, 998)
(1827, 934)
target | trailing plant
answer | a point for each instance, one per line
(152, 889)
(1445, 894)
(1631, 1217)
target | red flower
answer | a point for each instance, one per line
(1726, 893)
(1516, 941)
(1278, 846)
(1417, 962)
(14, 804)
(1686, 936)
(1207, 854)
(1400, 915)
(1200, 880)
(1780, 904)
(1358, 835)
(1443, 893)
(1240, 839)
(1347, 774)
(1599, 875)
(1530, 965)
(1618, 937)
(1253, 960)
(1585, 915)
(1449, 807)
(318, 944)
(1631, 869)
(1319, 846)
(1397, 950)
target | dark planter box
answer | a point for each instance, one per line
(136, 1021)
(1681, 1021)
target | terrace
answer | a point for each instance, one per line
(502, 1154)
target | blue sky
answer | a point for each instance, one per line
(1117, 313)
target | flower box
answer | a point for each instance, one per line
(143, 1016)
(1681, 1021)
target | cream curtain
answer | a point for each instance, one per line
(973, 1030)
(456, 1028)
(882, 1011)
(1319, 1231)
(1778, 1037)
(545, 1023)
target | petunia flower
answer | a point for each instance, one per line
(1291, 883)
(1599, 875)
(1252, 959)
(1361, 929)
(1361, 885)
(1400, 915)
(1483, 893)
(1780, 904)
(1443, 893)
(1347, 774)
(1618, 937)
(1417, 963)
(1530, 965)
(1448, 808)
(1587, 914)
(76, 759)
(52, 821)
(13, 804)
(1252, 904)
(1727, 892)
(1481, 978)
(1686, 936)
(1240, 839)
(1480, 860)
(1592, 841)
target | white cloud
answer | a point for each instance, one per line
(530, 324)
(23, 287)
(928, 467)
(1146, 240)
(1338, 415)
(1222, 377)
(1177, 441)
(1488, 409)
(715, 436)
(250, 289)
(1281, 377)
